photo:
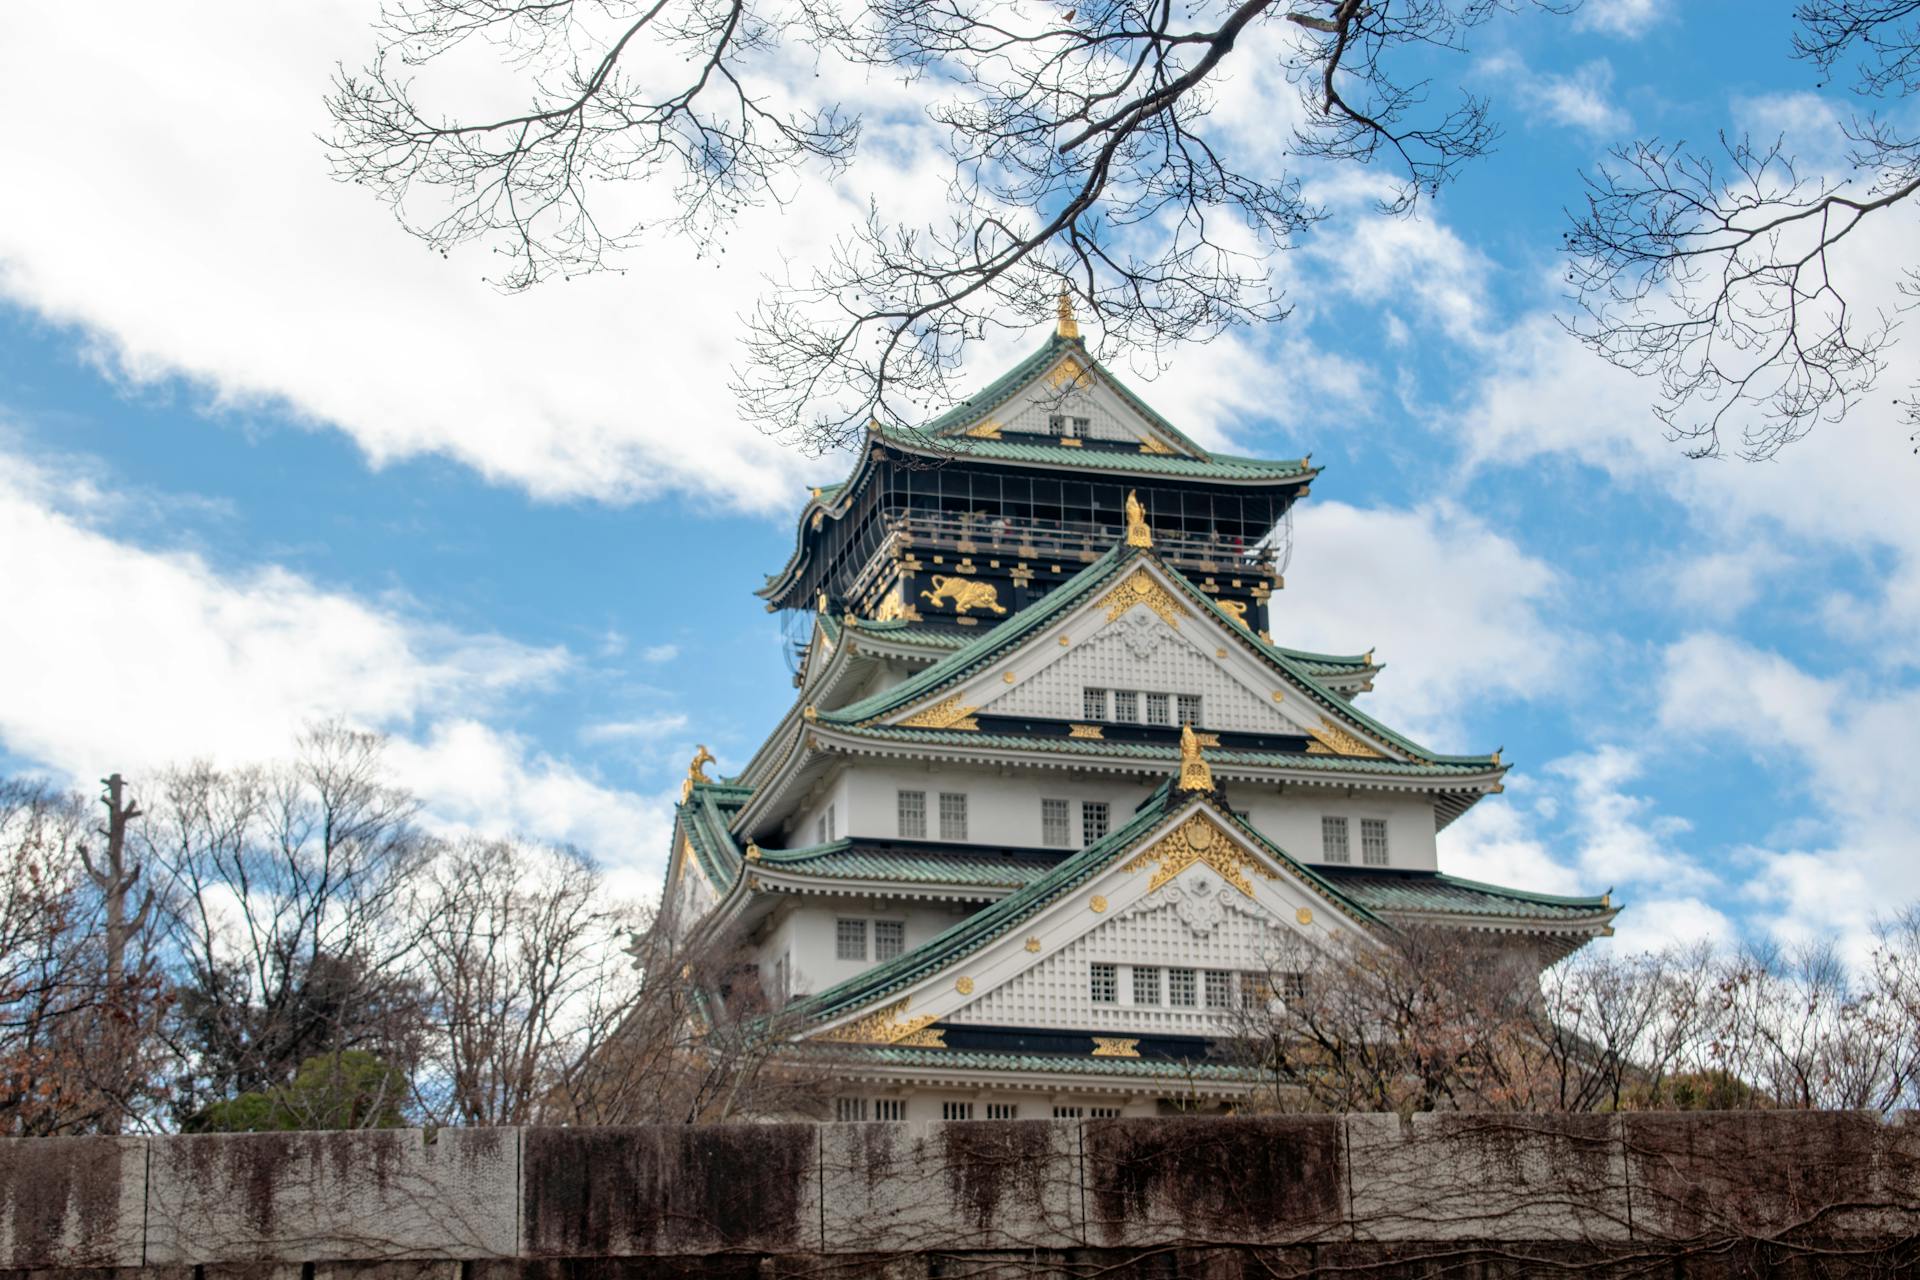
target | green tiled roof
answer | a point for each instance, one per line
(1168, 753)
(893, 1055)
(843, 859)
(1433, 891)
(1220, 466)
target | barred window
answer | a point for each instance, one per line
(1056, 424)
(889, 938)
(1219, 989)
(1003, 1111)
(956, 1111)
(849, 1109)
(1103, 984)
(1293, 986)
(1093, 704)
(889, 1108)
(850, 939)
(1373, 841)
(953, 815)
(1333, 840)
(1157, 711)
(1126, 706)
(913, 815)
(1182, 988)
(1189, 708)
(1256, 991)
(1146, 984)
(1080, 425)
(1103, 1113)
(1068, 1113)
(1093, 821)
(1053, 823)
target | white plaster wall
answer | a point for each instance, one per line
(1111, 417)
(805, 832)
(805, 932)
(1002, 810)
(1292, 821)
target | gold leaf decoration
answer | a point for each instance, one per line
(1200, 839)
(1139, 533)
(1332, 740)
(1195, 775)
(1154, 444)
(1098, 902)
(1085, 731)
(1033, 943)
(963, 985)
(1304, 915)
(963, 594)
(1236, 609)
(948, 713)
(1115, 1047)
(988, 430)
(1069, 372)
(926, 1038)
(882, 1026)
(1141, 588)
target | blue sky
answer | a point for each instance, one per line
(263, 459)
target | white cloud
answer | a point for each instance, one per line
(646, 727)
(1581, 99)
(1455, 609)
(660, 653)
(140, 658)
(1627, 18)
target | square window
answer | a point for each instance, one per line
(1068, 1113)
(1080, 426)
(1333, 840)
(1256, 991)
(1182, 988)
(956, 1111)
(850, 939)
(1219, 989)
(1189, 704)
(889, 1108)
(1157, 708)
(913, 815)
(1093, 821)
(889, 938)
(1126, 706)
(849, 1109)
(1003, 1111)
(953, 815)
(1103, 984)
(1103, 1113)
(1093, 704)
(1146, 985)
(1053, 824)
(1056, 424)
(1373, 841)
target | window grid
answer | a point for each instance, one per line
(1103, 984)
(850, 939)
(1157, 708)
(913, 815)
(1333, 840)
(1093, 704)
(1054, 829)
(1293, 986)
(1219, 989)
(1103, 1113)
(1373, 841)
(1146, 984)
(1068, 1113)
(1182, 988)
(1126, 706)
(847, 1110)
(1003, 1111)
(889, 1108)
(889, 939)
(953, 815)
(1189, 704)
(956, 1111)
(1093, 820)
(1256, 991)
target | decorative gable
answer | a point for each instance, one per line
(1072, 388)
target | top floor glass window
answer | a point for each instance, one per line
(1093, 704)
(953, 815)
(1189, 704)
(913, 815)
(1373, 841)
(1333, 840)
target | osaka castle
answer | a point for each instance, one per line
(1053, 795)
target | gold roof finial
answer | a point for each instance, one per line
(696, 772)
(1138, 532)
(1195, 775)
(1067, 326)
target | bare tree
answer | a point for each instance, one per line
(1080, 146)
(286, 913)
(521, 954)
(1725, 275)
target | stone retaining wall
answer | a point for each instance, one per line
(1701, 1194)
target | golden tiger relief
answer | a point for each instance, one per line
(963, 593)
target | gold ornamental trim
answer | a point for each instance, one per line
(1195, 774)
(1154, 444)
(1033, 943)
(988, 430)
(1304, 915)
(1098, 903)
(1139, 532)
(963, 985)
(1085, 731)
(1140, 587)
(964, 594)
(1237, 610)
(1332, 740)
(948, 713)
(1068, 373)
(1115, 1047)
(1064, 324)
(1200, 839)
(883, 1026)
